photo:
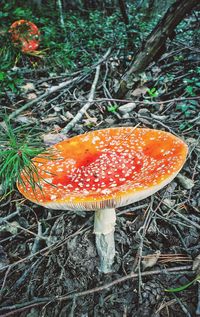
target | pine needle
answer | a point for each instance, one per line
(17, 149)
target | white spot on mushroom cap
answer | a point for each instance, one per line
(106, 191)
(95, 139)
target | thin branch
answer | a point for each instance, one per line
(60, 86)
(145, 102)
(6, 218)
(50, 248)
(192, 223)
(157, 121)
(36, 244)
(198, 301)
(49, 91)
(60, 9)
(131, 210)
(83, 110)
(41, 301)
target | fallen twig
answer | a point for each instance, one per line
(6, 218)
(60, 86)
(17, 308)
(192, 223)
(147, 102)
(158, 122)
(49, 248)
(131, 210)
(183, 306)
(38, 239)
(29, 271)
(141, 234)
(49, 91)
(90, 101)
(198, 301)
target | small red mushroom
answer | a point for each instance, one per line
(102, 170)
(25, 35)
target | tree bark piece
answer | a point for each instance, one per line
(155, 43)
(123, 10)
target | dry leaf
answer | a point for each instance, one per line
(44, 85)
(196, 264)
(56, 108)
(25, 119)
(139, 91)
(28, 87)
(3, 258)
(31, 96)
(51, 139)
(128, 107)
(90, 121)
(150, 260)
(11, 227)
(69, 115)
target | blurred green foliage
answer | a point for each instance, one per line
(85, 38)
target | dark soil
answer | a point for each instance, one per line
(48, 259)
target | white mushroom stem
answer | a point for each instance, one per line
(104, 227)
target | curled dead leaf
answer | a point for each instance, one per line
(28, 87)
(31, 96)
(90, 121)
(51, 139)
(4, 261)
(139, 91)
(11, 227)
(196, 265)
(150, 260)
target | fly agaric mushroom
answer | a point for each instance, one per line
(102, 170)
(25, 35)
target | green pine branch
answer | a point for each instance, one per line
(17, 147)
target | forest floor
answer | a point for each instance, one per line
(48, 259)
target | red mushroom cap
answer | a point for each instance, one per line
(106, 168)
(25, 35)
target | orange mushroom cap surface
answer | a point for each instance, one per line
(25, 34)
(105, 168)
